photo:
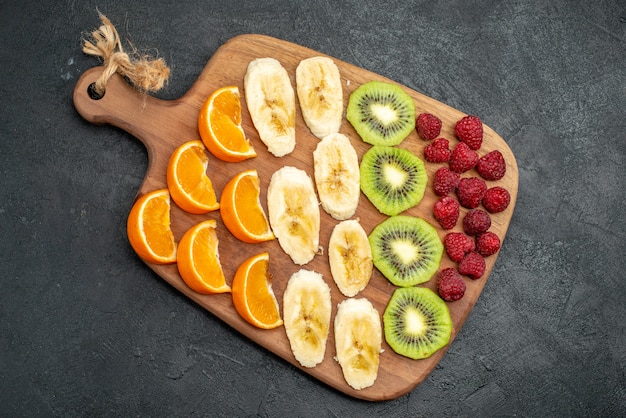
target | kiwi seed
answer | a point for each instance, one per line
(416, 322)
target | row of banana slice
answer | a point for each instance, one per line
(294, 216)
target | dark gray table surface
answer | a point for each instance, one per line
(86, 329)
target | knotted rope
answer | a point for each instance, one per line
(142, 71)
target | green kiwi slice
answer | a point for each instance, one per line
(393, 179)
(416, 322)
(381, 113)
(406, 250)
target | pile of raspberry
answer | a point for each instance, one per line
(458, 188)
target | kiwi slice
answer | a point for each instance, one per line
(416, 322)
(406, 250)
(393, 179)
(381, 113)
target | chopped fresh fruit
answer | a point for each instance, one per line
(446, 212)
(472, 265)
(471, 191)
(428, 126)
(350, 257)
(241, 208)
(253, 296)
(462, 158)
(496, 199)
(220, 127)
(487, 244)
(469, 130)
(491, 166)
(198, 259)
(187, 181)
(476, 222)
(438, 151)
(445, 181)
(148, 228)
(451, 285)
(457, 244)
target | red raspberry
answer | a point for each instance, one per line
(470, 130)
(457, 244)
(472, 265)
(445, 181)
(451, 285)
(471, 191)
(487, 244)
(428, 126)
(462, 158)
(496, 199)
(437, 151)
(446, 212)
(476, 222)
(491, 166)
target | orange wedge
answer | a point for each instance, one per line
(199, 261)
(252, 293)
(148, 228)
(220, 127)
(241, 209)
(187, 181)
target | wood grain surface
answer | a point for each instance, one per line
(163, 125)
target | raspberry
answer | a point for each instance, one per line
(471, 191)
(462, 158)
(438, 151)
(496, 199)
(451, 285)
(428, 126)
(487, 244)
(457, 244)
(491, 166)
(446, 212)
(445, 181)
(470, 131)
(472, 265)
(476, 222)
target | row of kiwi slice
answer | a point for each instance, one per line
(407, 250)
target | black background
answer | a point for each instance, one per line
(86, 329)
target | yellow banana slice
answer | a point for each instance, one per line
(350, 257)
(318, 84)
(294, 213)
(306, 316)
(272, 105)
(358, 339)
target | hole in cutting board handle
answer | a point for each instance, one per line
(93, 94)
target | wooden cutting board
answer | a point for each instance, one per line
(163, 125)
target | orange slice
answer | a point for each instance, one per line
(199, 261)
(187, 181)
(252, 293)
(220, 128)
(148, 228)
(241, 209)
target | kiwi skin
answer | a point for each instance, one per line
(373, 102)
(406, 234)
(416, 322)
(390, 199)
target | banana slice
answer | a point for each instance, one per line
(306, 316)
(337, 176)
(272, 105)
(294, 213)
(350, 257)
(358, 339)
(321, 98)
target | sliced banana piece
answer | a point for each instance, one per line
(272, 105)
(350, 257)
(306, 315)
(358, 339)
(320, 94)
(294, 213)
(337, 176)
